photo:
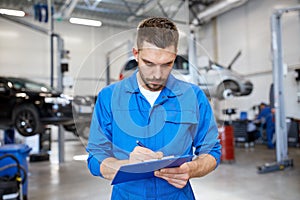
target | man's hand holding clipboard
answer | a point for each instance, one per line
(146, 168)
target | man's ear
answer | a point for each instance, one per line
(135, 53)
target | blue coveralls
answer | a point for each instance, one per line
(267, 116)
(181, 122)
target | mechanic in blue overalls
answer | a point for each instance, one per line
(266, 118)
(169, 116)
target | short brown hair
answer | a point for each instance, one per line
(159, 31)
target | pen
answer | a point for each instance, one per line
(140, 144)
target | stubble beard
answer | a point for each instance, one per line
(149, 86)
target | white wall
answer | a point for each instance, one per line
(248, 28)
(26, 53)
(22, 51)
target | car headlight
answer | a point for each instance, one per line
(57, 100)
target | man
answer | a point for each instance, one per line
(266, 118)
(170, 117)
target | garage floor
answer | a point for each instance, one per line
(49, 180)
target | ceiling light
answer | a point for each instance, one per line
(87, 22)
(17, 13)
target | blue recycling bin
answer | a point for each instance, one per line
(20, 151)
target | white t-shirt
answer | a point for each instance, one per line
(151, 96)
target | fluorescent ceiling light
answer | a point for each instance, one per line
(17, 13)
(87, 22)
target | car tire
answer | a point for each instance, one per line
(71, 128)
(227, 89)
(26, 120)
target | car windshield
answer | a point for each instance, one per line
(30, 85)
(181, 63)
(131, 65)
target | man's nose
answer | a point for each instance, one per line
(157, 72)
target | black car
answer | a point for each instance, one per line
(82, 115)
(28, 106)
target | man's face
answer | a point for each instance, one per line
(155, 65)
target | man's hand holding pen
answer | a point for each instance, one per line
(141, 153)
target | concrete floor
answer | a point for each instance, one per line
(49, 180)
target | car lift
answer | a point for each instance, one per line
(283, 161)
(60, 59)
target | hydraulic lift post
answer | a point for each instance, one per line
(282, 160)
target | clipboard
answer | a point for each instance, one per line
(146, 169)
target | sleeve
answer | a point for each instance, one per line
(260, 115)
(99, 144)
(206, 140)
(264, 113)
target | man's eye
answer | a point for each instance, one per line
(149, 64)
(166, 65)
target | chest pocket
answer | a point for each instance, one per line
(181, 117)
(181, 126)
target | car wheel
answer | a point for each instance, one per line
(227, 94)
(71, 128)
(26, 120)
(227, 89)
